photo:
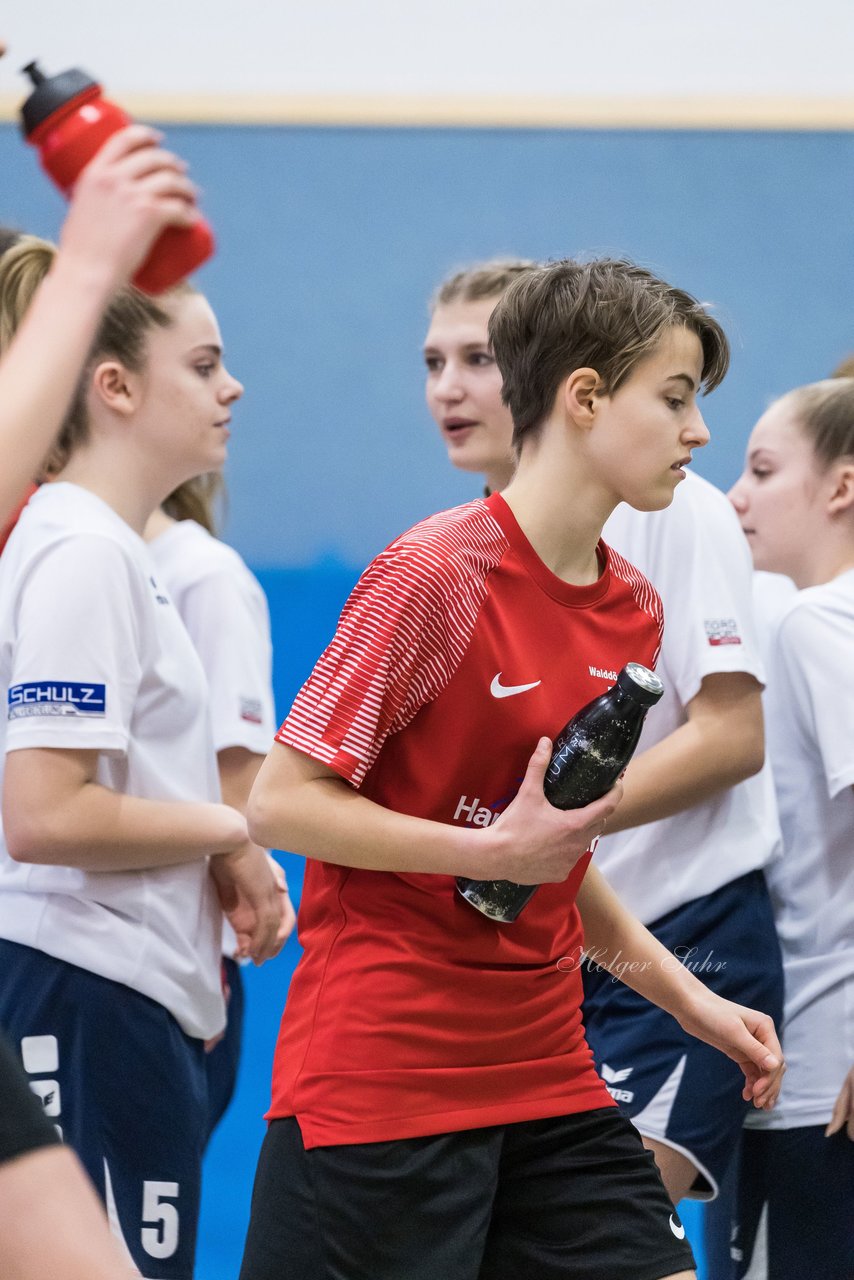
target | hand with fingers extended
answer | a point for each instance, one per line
(252, 898)
(746, 1036)
(843, 1109)
(533, 842)
(124, 198)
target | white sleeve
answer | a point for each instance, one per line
(227, 617)
(700, 564)
(76, 665)
(815, 645)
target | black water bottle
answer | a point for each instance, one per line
(589, 755)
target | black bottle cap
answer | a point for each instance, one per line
(51, 93)
(640, 683)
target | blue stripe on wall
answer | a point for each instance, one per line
(332, 239)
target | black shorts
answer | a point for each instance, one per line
(577, 1197)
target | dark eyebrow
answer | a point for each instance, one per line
(466, 346)
(682, 377)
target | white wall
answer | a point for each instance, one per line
(786, 48)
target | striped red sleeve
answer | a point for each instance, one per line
(645, 595)
(400, 638)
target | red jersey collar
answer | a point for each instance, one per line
(564, 592)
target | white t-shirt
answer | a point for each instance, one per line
(695, 554)
(772, 595)
(224, 608)
(94, 656)
(809, 706)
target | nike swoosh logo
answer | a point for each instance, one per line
(499, 690)
(677, 1229)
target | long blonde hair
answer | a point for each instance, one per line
(121, 334)
(199, 499)
(23, 266)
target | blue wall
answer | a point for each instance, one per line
(331, 241)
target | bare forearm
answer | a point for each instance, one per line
(301, 805)
(238, 769)
(40, 370)
(326, 819)
(720, 744)
(100, 830)
(675, 775)
(619, 943)
(615, 940)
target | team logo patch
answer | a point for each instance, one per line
(48, 1091)
(250, 709)
(57, 698)
(613, 1078)
(722, 631)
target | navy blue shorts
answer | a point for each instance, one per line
(571, 1198)
(673, 1087)
(793, 1207)
(223, 1061)
(125, 1087)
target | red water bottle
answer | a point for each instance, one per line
(68, 120)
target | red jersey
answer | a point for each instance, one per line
(410, 1013)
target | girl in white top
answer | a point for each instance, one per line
(117, 854)
(224, 609)
(50, 1222)
(795, 500)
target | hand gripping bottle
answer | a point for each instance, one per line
(68, 120)
(589, 755)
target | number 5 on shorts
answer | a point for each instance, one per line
(159, 1241)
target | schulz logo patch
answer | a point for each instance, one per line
(57, 698)
(722, 631)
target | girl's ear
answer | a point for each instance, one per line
(580, 395)
(842, 493)
(115, 386)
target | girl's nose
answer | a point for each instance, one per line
(737, 497)
(447, 385)
(232, 390)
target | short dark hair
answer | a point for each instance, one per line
(607, 315)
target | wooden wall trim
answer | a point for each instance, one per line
(484, 111)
